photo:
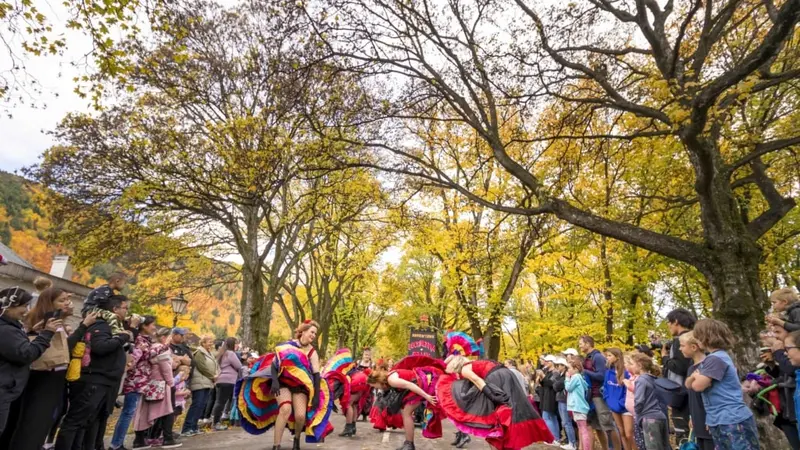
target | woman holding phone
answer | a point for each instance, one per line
(42, 397)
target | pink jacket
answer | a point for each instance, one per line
(161, 370)
(138, 375)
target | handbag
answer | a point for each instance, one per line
(81, 357)
(56, 355)
(154, 390)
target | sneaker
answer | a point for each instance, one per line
(568, 447)
(190, 433)
(220, 427)
(171, 443)
(140, 446)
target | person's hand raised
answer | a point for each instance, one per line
(90, 319)
(53, 325)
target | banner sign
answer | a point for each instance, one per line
(423, 342)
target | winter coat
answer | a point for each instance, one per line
(547, 398)
(139, 374)
(160, 359)
(229, 365)
(16, 355)
(205, 369)
(792, 317)
(108, 358)
(559, 387)
(576, 387)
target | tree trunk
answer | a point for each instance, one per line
(739, 301)
(631, 319)
(254, 328)
(607, 287)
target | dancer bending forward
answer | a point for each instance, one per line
(286, 390)
(483, 398)
(411, 381)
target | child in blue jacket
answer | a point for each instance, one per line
(577, 404)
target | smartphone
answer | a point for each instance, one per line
(53, 315)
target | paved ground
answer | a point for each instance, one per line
(366, 439)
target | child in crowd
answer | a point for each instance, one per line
(691, 349)
(630, 402)
(614, 395)
(649, 408)
(577, 404)
(181, 391)
(786, 305)
(729, 420)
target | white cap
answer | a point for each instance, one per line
(561, 361)
(550, 358)
(570, 351)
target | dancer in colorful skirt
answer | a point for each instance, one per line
(411, 381)
(484, 398)
(283, 382)
(460, 343)
(348, 385)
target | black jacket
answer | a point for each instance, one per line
(676, 363)
(547, 398)
(792, 317)
(787, 385)
(16, 355)
(108, 360)
(559, 386)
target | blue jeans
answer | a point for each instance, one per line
(551, 419)
(566, 422)
(196, 410)
(125, 418)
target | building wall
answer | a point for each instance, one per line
(16, 275)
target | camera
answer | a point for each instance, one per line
(658, 345)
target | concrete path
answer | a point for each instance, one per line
(366, 439)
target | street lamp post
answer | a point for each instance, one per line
(179, 305)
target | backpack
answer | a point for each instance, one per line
(588, 392)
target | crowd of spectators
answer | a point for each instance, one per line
(59, 386)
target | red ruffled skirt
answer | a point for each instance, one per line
(505, 426)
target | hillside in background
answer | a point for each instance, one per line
(26, 229)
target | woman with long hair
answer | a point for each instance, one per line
(410, 382)
(614, 393)
(284, 389)
(229, 367)
(484, 398)
(157, 395)
(44, 394)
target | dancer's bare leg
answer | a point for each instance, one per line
(408, 421)
(285, 401)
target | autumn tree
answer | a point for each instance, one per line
(709, 84)
(211, 144)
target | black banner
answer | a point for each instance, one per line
(424, 342)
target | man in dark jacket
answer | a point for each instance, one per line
(91, 398)
(594, 366)
(16, 351)
(676, 366)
